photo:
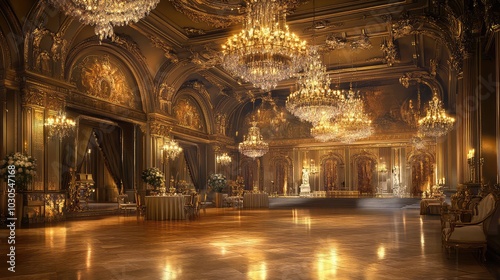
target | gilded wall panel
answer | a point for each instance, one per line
(38, 148)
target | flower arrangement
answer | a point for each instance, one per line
(24, 166)
(153, 176)
(217, 182)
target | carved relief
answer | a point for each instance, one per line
(157, 129)
(54, 103)
(165, 93)
(34, 97)
(187, 114)
(390, 51)
(221, 123)
(98, 77)
(169, 52)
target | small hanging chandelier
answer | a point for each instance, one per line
(436, 123)
(60, 126)
(314, 98)
(104, 14)
(265, 51)
(325, 130)
(354, 123)
(171, 148)
(223, 159)
(253, 144)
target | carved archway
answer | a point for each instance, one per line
(421, 166)
(282, 168)
(364, 167)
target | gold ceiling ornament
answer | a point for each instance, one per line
(223, 159)
(354, 123)
(103, 15)
(171, 148)
(265, 51)
(436, 122)
(253, 144)
(314, 98)
(60, 126)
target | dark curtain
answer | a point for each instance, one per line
(191, 157)
(110, 145)
(82, 143)
(128, 156)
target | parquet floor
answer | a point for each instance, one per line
(245, 244)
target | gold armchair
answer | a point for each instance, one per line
(457, 234)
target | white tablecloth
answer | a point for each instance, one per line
(165, 207)
(255, 200)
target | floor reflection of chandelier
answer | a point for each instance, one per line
(265, 51)
(105, 14)
(223, 159)
(60, 126)
(354, 124)
(253, 145)
(436, 123)
(171, 148)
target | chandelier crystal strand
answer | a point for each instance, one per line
(253, 144)
(171, 148)
(354, 124)
(60, 126)
(314, 98)
(265, 51)
(104, 14)
(436, 123)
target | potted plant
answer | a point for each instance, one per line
(18, 170)
(153, 177)
(217, 182)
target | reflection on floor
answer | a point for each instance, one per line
(315, 243)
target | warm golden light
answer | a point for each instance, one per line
(253, 144)
(60, 126)
(436, 123)
(265, 51)
(314, 99)
(381, 252)
(103, 15)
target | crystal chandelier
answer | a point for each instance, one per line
(253, 145)
(325, 131)
(104, 14)
(60, 126)
(223, 159)
(265, 51)
(436, 123)
(314, 98)
(354, 123)
(171, 148)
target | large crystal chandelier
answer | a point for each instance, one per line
(60, 126)
(171, 148)
(354, 123)
(265, 51)
(314, 98)
(104, 14)
(436, 123)
(253, 144)
(223, 159)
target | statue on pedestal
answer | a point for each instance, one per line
(305, 189)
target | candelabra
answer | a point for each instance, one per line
(471, 161)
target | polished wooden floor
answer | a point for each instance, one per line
(245, 244)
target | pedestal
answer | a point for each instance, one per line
(305, 190)
(219, 200)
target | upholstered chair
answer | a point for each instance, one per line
(457, 234)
